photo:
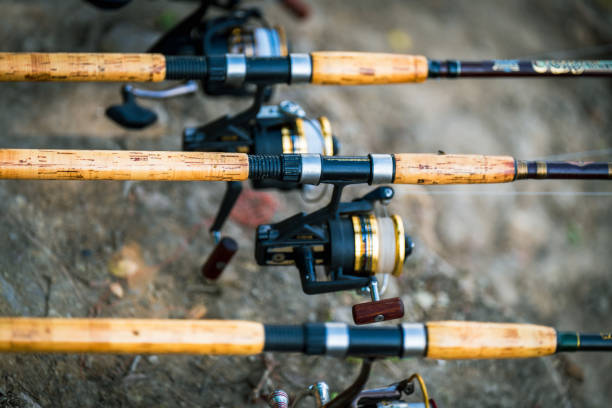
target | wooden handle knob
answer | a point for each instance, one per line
(452, 169)
(371, 312)
(122, 165)
(82, 67)
(472, 340)
(363, 68)
(137, 336)
(219, 258)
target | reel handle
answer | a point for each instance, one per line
(219, 258)
(378, 311)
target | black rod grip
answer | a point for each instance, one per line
(187, 67)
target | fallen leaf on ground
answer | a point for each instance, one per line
(128, 264)
(116, 289)
(197, 312)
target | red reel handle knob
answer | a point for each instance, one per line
(371, 312)
(299, 8)
(219, 258)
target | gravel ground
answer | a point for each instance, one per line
(533, 251)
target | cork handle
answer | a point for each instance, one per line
(452, 169)
(362, 68)
(130, 336)
(122, 165)
(82, 67)
(473, 340)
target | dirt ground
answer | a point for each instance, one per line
(533, 251)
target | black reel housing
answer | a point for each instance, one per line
(241, 31)
(349, 241)
(274, 129)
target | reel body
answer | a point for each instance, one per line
(272, 129)
(241, 31)
(349, 241)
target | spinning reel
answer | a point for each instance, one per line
(272, 129)
(241, 31)
(350, 241)
(391, 396)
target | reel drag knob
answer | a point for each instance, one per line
(219, 258)
(378, 311)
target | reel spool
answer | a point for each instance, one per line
(353, 245)
(272, 129)
(242, 31)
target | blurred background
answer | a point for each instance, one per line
(533, 251)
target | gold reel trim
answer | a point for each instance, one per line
(367, 243)
(328, 140)
(400, 245)
(294, 142)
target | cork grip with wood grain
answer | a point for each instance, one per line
(414, 168)
(363, 68)
(82, 67)
(137, 336)
(122, 165)
(473, 340)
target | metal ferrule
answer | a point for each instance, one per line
(337, 339)
(301, 68)
(383, 168)
(236, 69)
(522, 170)
(414, 339)
(311, 168)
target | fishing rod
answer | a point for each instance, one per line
(443, 340)
(354, 241)
(398, 168)
(321, 68)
